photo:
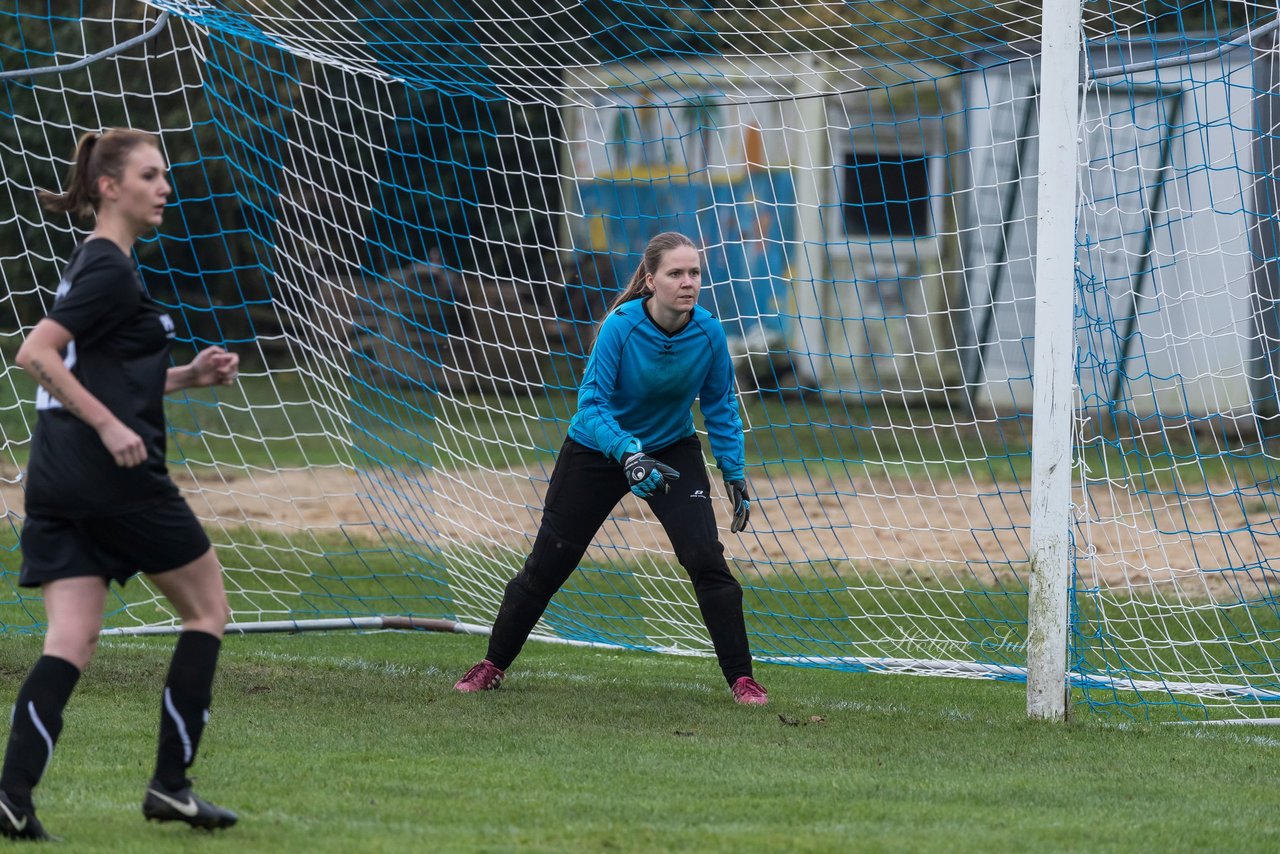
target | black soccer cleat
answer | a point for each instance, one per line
(19, 823)
(163, 804)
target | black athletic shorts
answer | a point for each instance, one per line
(159, 538)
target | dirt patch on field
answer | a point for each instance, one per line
(903, 532)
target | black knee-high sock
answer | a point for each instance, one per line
(184, 709)
(37, 721)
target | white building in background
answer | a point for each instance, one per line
(814, 188)
(873, 228)
(1176, 257)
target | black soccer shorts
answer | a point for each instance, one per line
(160, 538)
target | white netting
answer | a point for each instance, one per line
(408, 218)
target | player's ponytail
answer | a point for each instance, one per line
(97, 154)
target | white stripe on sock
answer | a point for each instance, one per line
(44, 733)
(182, 727)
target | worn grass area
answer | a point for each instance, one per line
(350, 742)
(827, 615)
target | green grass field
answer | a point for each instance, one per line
(349, 742)
(346, 742)
(817, 614)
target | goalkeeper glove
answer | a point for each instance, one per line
(646, 476)
(737, 490)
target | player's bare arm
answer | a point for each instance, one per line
(211, 366)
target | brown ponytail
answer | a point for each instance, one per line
(97, 154)
(659, 245)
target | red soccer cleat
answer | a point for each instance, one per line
(485, 676)
(749, 692)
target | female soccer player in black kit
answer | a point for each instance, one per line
(100, 505)
(656, 351)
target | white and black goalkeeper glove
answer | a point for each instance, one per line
(741, 498)
(646, 476)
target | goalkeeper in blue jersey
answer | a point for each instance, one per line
(657, 350)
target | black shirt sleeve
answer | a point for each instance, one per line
(103, 293)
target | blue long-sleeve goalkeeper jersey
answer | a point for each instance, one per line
(641, 381)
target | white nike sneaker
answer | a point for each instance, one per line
(163, 804)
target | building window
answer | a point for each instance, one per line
(886, 195)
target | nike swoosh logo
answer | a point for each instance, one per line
(17, 825)
(189, 809)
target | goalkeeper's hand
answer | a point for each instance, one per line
(646, 476)
(741, 498)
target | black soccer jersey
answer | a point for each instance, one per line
(120, 353)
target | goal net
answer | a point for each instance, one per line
(408, 217)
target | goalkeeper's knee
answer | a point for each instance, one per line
(706, 565)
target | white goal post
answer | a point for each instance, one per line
(1054, 407)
